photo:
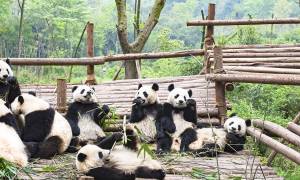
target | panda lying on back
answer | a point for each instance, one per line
(45, 131)
(229, 139)
(121, 163)
(85, 115)
(145, 111)
(9, 86)
(11, 146)
(177, 122)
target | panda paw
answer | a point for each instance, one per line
(12, 80)
(105, 109)
(191, 102)
(137, 101)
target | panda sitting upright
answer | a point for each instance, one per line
(177, 122)
(85, 115)
(9, 86)
(145, 110)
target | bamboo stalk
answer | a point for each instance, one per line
(278, 130)
(253, 78)
(275, 145)
(103, 59)
(242, 22)
(262, 69)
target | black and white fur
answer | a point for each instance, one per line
(120, 163)
(229, 139)
(85, 115)
(9, 86)
(11, 146)
(145, 109)
(177, 122)
(45, 131)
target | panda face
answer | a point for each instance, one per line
(237, 125)
(5, 69)
(178, 96)
(84, 94)
(27, 103)
(90, 156)
(147, 94)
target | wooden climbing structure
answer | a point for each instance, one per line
(223, 66)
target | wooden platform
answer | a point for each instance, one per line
(177, 167)
(119, 94)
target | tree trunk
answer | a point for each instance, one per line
(131, 69)
(20, 38)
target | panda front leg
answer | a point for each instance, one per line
(100, 113)
(108, 173)
(147, 173)
(108, 141)
(187, 137)
(190, 112)
(234, 143)
(137, 111)
(14, 89)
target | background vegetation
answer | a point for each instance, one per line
(53, 28)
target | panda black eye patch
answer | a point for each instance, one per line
(145, 94)
(100, 155)
(82, 91)
(184, 98)
(7, 71)
(230, 123)
(177, 95)
(239, 127)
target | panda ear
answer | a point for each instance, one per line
(32, 93)
(190, 92)
(248, 122)
(7, 61)
(74, 88)
(81, 157)
(140, 85)
(155, 87)
(233, 114)
(171, 87)
(21, 99)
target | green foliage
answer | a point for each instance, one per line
(7, 169)
(199, 173)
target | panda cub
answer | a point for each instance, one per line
(45, 130)
(9, 86)
(11, 146)
(229, 139)
(85, 115)
(177, 122)
(145, 110)
(120, 163)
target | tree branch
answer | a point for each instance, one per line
(152, 20)
(122, 25)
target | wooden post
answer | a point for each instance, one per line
(209, 41)
(219, 85)
(90, 53)
(274, 153)
(61, 95)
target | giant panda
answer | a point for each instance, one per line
(229, 139)
(122, 162)
(85, 115)
(178, 121)
(9, 86)
(11, 146)
(47, 130)
(145, 111)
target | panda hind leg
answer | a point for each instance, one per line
(74, 145)
(31, 148)
(164, 144)
(208, 150)
(187, 137)
(145, 172)
(49, 147)
(109, 141)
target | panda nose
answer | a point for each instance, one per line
(89, 92)
(180, 101)
(139, 97)
(5, 75)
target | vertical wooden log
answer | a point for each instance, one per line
(61, 95)
(274, 153)
(209, 40)
(90, 53)
(219, 85)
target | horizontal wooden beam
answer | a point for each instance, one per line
(288, 79)
(102, 59)
(259, 46)
(275, 145)
(263, 69)
(278, 130)
(261, 60)
(295, 128)
(242, 22)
